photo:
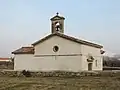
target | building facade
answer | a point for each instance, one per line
(58, 51)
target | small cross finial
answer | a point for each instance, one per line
(57, 13)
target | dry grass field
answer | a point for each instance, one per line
(55, 83)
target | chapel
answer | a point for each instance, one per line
(58, 51)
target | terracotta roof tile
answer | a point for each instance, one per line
(4, 58)
(24, 50)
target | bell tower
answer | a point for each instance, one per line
(57, 24)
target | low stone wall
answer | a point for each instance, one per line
(4, 73)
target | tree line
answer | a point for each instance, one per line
(111, 61)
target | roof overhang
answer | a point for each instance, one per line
(68, 38)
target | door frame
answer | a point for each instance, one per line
(90, 65)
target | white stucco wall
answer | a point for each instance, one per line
(40, 62)
(23, 61)
(66, 47)
(28, 62)
(95, 52)
(57, 63)
(47, 63)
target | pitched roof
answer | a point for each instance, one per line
(69, 38)
(4, 59)
(57, 17)
(24, 50)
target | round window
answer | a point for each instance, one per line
(55, 48)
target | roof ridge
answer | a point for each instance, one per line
(78, 38)
(27, 47)
(4, 58)
(70, 38)
(61, 17)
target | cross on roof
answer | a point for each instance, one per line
(57, 13)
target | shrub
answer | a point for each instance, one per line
(26, 73)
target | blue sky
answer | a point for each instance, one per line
(24, 21)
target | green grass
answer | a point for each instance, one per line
(53, 83)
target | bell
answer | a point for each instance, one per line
(57, 24)
(57, 28)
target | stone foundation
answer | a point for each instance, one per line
(59, 74)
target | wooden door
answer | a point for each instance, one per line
(89, 66)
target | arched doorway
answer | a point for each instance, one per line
(89, 66)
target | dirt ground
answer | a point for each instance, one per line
(54, 83)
